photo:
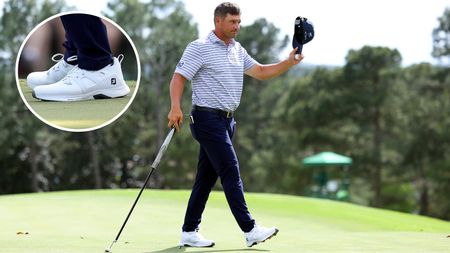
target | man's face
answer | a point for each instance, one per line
(229, 25)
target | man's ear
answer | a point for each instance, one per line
(216, 19)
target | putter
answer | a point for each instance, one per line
(155, 163)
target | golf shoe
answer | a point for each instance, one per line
(80, 84)
(259, 234)
(54, 74)
(194, 239)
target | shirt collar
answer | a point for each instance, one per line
(214, 39)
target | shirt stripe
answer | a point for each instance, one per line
(216, 71)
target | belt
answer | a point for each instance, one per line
(225, 114)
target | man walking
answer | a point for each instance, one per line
(215, 66)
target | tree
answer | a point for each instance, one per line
(441, 37)
(160, 30)
(427, 150)
(369, 74)
(24, 150)
(312, 120)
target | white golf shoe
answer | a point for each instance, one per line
(259, 234)
(80, 84)
(194, 239)
(54, 74)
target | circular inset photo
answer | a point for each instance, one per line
(77, 71)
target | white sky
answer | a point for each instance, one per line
(340, 25)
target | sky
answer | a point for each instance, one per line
(340, 25)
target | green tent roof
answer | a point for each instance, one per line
(327, 158)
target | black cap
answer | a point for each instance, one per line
(303, 33)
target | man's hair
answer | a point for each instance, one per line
(227, 8)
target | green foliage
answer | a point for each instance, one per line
(344, 110)
(392, 121)
(369, 76)
(427, 141)
(152, 29)
(441, 36)
(24, 141)
(30, 13)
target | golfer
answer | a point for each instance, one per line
(215, 66)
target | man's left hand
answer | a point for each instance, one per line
(295, 59)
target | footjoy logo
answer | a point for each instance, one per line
(113, 81)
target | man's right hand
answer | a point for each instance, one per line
(175, 118)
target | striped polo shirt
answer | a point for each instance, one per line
(216, 71)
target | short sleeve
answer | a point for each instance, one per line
(190, 62)
(249, 62)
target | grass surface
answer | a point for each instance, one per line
(77, 115)
(88, 221)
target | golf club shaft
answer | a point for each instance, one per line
(155, 164)
(135, 202)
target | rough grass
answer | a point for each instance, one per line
(78, 115)
(88, 221)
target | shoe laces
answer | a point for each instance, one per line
(198, 235)
(78, 73)
(58, 58)
(256, 230)
(120, 58)
(75, 73)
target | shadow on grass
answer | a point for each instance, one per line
(177, 249)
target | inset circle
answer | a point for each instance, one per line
(58, 77)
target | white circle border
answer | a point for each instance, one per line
(78, 129)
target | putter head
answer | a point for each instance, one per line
(108, 250)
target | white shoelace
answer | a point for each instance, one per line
(57, 58)
(198, 235)
(78, 73)
(75, 73)
(120, 58)
(69, 59)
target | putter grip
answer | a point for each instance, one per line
(163, 148)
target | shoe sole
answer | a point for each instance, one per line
(272, 235)
(187, 245)
(101, 94)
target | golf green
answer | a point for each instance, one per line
(88, 221)
(77, 115)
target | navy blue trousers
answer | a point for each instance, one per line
(217, 159)
(87, 38)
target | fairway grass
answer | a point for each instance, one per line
(88, 221)
(77, 115)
